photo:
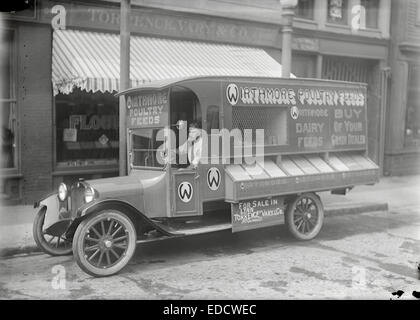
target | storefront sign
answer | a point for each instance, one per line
(257, 213)
(93, 122)
(288, 95)
(148, 110)
(154, 22)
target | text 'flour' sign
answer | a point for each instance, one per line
(257, 213)
(147, 110)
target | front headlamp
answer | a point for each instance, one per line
(89, 194)
(62, 191)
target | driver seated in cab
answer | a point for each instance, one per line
(194, 144)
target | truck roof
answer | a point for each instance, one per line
(164, 83)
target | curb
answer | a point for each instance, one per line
(334, 210)
(338, 210)
(13, 252)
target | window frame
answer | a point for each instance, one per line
(13, 103)
(59, 166)
(411, 143)
(345, 14)
(312, 11)
(376, 27)
(130, 141)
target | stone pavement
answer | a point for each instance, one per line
(390, 192)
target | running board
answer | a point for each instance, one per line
(171, 232)
(207, 229)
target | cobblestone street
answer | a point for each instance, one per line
(366, 256)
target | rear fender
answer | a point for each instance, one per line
(138, 218)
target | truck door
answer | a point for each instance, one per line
(185, 185)
(186, 192)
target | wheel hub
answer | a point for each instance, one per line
(105, 243)
(108, 244)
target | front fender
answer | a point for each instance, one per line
(54, 212)
(103, 204)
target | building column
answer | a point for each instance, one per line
(124, 81)
(319, 66)
(287, 14)
(384, 17)
(320, 12)
(385, 74)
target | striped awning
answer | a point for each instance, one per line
(90, 60)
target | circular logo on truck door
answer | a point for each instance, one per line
(213, 178)
(185, 191)
(232, 94)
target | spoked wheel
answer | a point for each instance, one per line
(304, 216)
(55, 245)
(104, 243)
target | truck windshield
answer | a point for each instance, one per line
(144, 147)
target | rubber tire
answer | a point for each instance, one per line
(78, 252)
(40, 240)
(291, 207)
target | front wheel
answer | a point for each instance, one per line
(55, 245)
(104, 243)
(305, 216)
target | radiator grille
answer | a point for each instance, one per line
(77, 198)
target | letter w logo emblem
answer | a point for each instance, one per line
(185, 191)
(213, 178)
(232, 94)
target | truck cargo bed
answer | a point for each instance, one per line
(298, 173)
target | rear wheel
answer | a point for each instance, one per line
(55, 245)
(104, 243)
(305, 216)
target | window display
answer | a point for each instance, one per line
(86, 129)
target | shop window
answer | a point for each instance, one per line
(86, 129)
(304, 65)
(371, 9)
(8, 102)
(337, 11)
(412, 122)
(347, 69)
(305, 9)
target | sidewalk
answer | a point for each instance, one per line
(390, 193)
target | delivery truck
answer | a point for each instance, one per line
(214, 153)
